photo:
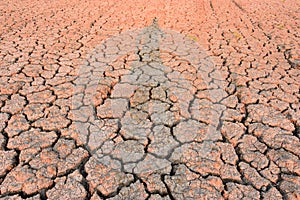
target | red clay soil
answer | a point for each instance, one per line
(150, 99)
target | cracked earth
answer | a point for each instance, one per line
(156, 100)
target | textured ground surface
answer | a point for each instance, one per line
(100, 101)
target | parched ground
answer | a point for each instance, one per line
(149, 99)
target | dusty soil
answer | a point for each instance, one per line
(149, 99)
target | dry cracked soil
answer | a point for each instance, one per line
(155, 100)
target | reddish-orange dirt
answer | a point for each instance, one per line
(156, 100)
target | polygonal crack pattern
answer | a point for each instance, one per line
(142, 109)
(95, 107)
